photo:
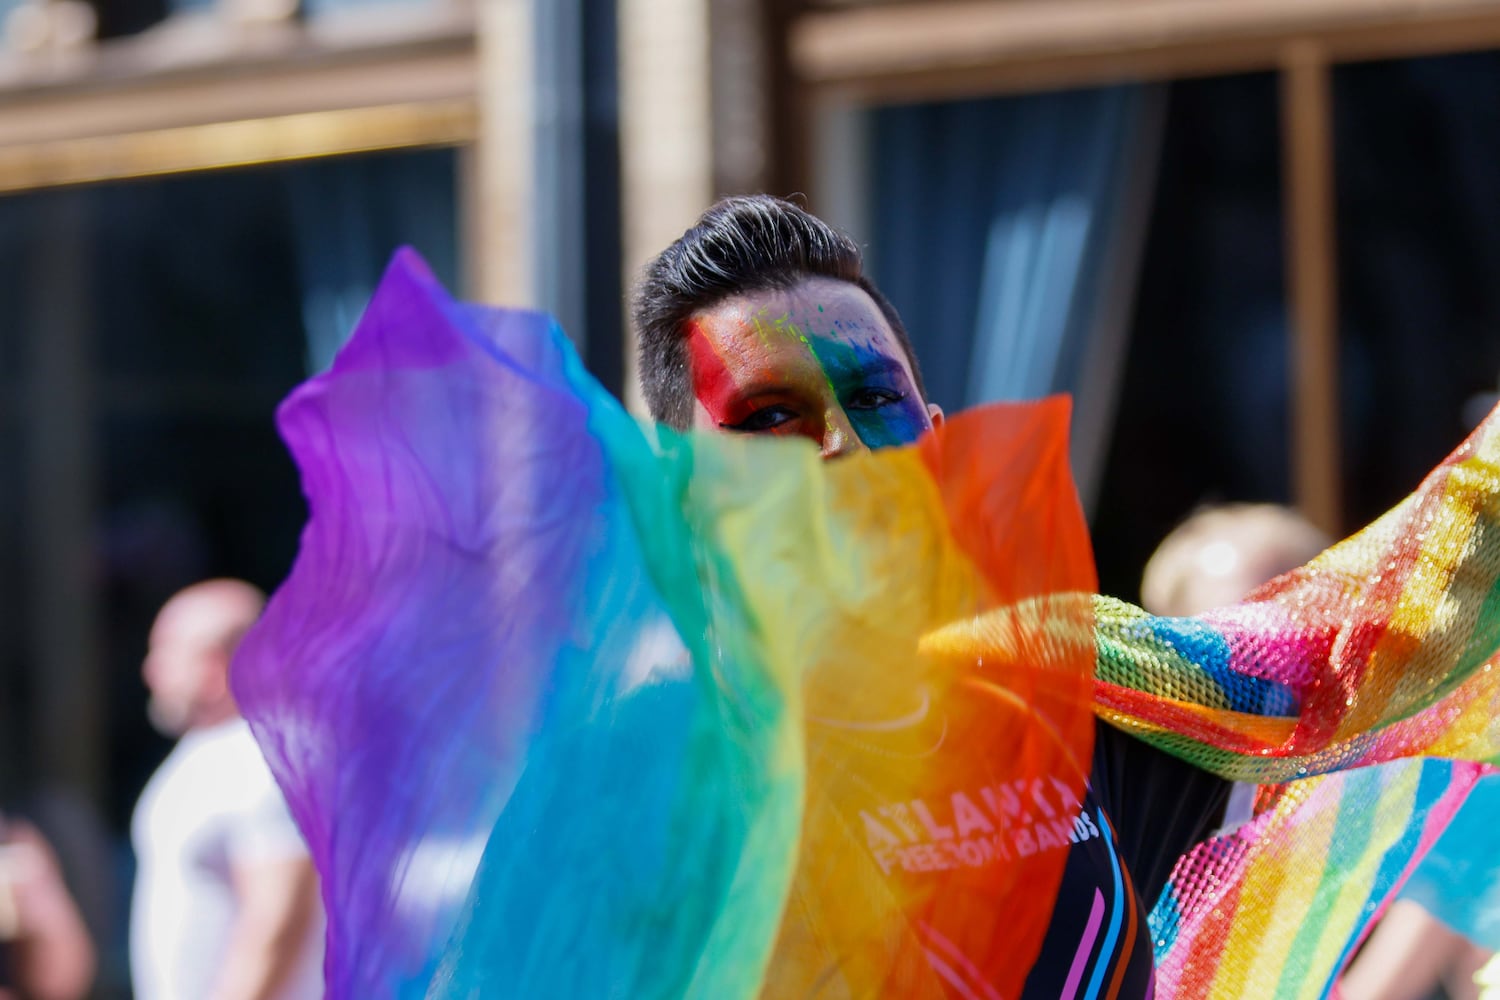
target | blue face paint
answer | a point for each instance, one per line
(874, 391)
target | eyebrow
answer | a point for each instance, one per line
(880, 364)
(844, 364)
(770, 383)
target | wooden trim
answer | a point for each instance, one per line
(666, 137)
(234, 144)
(790, 167)
(743, 53)
(97, 105)
(1312, 283)
(497, 186)
(955, 48)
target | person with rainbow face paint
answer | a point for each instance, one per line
(568, 704)
(760, 320)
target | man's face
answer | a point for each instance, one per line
(817, 361)
(185, 667)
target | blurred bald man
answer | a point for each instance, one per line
(226, 901)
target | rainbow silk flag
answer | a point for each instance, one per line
(569, 706)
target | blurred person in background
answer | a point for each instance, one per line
(1220, 554)
(45, 951)
(226, 900)
(1412, 954)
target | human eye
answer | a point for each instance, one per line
(767, 418)
(872, 398)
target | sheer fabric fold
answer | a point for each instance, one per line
(568, 706)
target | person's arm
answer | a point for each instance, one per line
(51, 955)
(1409, 956)
(277, 904)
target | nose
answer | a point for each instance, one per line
(839, 437)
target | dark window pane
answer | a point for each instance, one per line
(151, 330)
(1203, 405)
(1419, 250)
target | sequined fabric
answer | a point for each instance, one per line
(1380, 649)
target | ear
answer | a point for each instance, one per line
(216, 684)
(935, 414)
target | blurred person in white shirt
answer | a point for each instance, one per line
(226, 900)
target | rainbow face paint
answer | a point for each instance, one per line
(816, 361)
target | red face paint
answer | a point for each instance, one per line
(713, 383)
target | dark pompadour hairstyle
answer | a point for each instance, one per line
(744, 244)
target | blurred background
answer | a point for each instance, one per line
(1259, 240)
